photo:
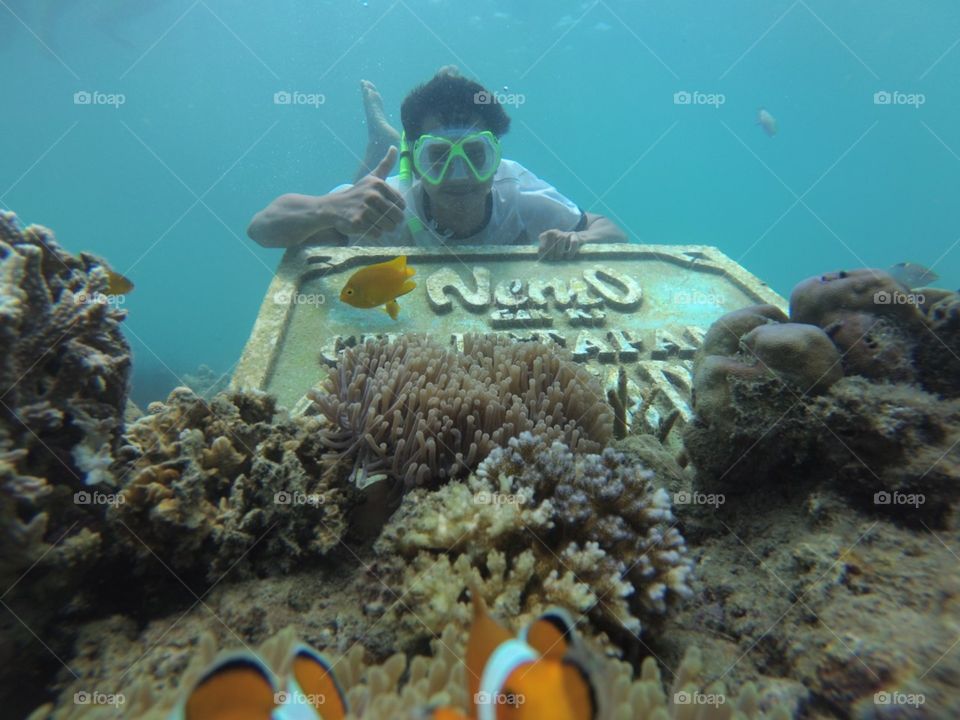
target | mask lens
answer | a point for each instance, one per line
(438, 157)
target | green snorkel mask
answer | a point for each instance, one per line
(437, 157)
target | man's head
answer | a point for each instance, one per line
(458, 123)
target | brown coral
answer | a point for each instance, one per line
(65, 365)
(422, 413)
(590, 532)
(790, 418)
(211, 483)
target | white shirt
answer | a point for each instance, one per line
(523, 207)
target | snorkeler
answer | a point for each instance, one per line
(452, 188)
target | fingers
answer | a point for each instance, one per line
(557, 245)
(383, 168)
(391, 195)
(387, 212)
(552, 245)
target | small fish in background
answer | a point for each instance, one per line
(912, 275)
(117, 284)
(379, 284)
(767, 122)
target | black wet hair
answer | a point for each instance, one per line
(454, 101)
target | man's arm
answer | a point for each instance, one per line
(293, 219)
(369, 208)
(601, 230)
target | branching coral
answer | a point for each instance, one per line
(210, 484)
(589, 532)
(64, 368)
(422, 413)
(65, 365)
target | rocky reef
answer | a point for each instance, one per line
(822, 511)
(854, 388)
(792, 558)
(63, 391)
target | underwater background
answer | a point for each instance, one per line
(164, 182)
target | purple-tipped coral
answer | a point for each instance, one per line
(590, 532)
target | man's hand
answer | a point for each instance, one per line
(559, 244)
(371, 207)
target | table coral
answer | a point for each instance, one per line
(421, 413)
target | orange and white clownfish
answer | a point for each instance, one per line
(240, 686)
(528, 677)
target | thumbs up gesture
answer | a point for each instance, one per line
(371, 207)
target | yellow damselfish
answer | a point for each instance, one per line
(379, 284)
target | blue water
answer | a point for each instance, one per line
(165, 184)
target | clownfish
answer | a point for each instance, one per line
(379, 284)
(528, 677)
(240, 686)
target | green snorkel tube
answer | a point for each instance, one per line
(414, 223)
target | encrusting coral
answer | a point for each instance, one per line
(537, 525)
(207, 481)
(403, 688)
(851, 386)
(421, 413)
